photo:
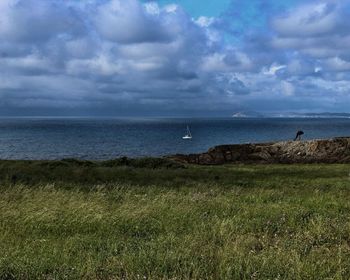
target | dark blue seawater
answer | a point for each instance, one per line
(110, 138)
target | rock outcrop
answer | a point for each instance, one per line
(335, 150)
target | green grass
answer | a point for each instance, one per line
(119, 220)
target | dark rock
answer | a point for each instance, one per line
(335, 150)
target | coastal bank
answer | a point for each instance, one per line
(336, 150)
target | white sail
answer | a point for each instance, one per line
(188, 135)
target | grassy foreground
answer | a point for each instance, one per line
(119, 220)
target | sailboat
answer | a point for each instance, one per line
(188, 135)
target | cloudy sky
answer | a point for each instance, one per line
(173, 57)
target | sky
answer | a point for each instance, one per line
(173, 57)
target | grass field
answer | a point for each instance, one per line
(146, 219)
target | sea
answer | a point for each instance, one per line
(108, 138)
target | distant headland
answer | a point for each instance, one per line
(253, 114)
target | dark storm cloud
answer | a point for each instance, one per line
(124, 56)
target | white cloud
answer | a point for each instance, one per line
(205, 21)
(130, 22)
(337, 64)
(308, 20)
(152, 8)
(287, 88)
(172, 8)
(273, 69)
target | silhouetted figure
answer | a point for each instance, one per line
(298, 136)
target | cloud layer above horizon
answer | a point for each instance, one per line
(127, 57)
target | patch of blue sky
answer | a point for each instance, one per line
(235, 17)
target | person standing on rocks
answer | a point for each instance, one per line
(298, 136)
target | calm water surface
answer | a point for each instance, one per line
(110, 138)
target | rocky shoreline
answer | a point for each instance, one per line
(336, 150)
